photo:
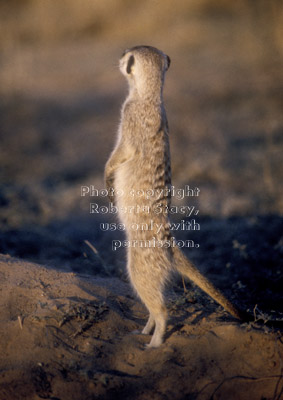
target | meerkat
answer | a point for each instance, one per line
(140, 162)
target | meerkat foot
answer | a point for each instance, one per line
(149, 325)
(156, 340)
(155, 344)
(159, 331)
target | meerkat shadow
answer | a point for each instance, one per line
(177, 323)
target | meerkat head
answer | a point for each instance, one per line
(144, 67)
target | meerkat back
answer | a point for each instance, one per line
(139, 167)
(143, 135)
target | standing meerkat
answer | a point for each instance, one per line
(140, 163)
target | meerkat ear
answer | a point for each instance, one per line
(131, 62)
(168, 62)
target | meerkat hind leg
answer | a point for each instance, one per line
(160, 327)
(157, 317)
(152, 297)
(149, 325)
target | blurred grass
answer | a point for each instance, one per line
(33, 21)
(60, 98)
(61, 92)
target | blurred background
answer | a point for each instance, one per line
(60, 99)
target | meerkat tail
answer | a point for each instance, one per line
(187, 269)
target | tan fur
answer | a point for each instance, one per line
(141, 161)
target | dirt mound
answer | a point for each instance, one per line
(69, 336)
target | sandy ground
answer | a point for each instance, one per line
(70, 336)
(67, 312)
